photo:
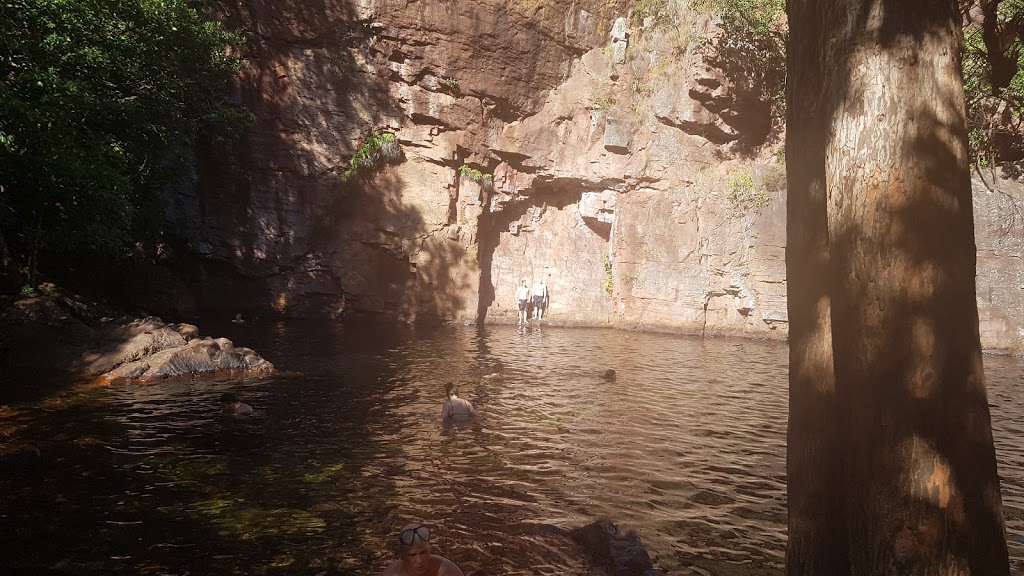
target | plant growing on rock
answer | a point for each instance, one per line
(608, 282)
(377, 151)
(752, 50)
(745, 195)
(484, 179)
(451, 83)
(602, 101)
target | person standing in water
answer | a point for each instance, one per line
(414, 557)
(540, 299)
(455, 406)
(523, 299)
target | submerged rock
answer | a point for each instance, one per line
(619, 552)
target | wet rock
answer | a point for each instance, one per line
(64, 337)
(619, 552)
(195, 357)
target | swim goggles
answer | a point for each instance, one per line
(408, 536)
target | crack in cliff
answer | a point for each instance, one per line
(709, 132)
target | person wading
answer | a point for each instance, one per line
(523, 300)
(540, 299)
(455, 407)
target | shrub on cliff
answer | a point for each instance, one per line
(377, 151)
(96, 96)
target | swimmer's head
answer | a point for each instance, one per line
(228, 398)
(609, 374)
(413, 547)
(450, 390)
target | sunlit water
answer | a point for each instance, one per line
(687, 446)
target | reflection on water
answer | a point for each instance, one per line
(687, 446)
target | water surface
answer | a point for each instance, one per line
(687, 446)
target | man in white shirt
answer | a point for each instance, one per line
(540, 299)
(523, 299)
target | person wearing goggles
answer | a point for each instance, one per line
(414, 557)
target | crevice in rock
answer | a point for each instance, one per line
(709, 132)
(502, 109)
(602, 229)
(424, 120)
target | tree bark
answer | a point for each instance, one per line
(891, 464)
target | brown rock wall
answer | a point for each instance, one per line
(622, 169)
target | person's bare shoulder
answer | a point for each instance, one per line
(395, 569)
(448, 568)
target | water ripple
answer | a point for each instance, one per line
(687, 446)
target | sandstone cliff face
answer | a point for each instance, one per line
(540, 139)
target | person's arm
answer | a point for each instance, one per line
(446, 409)
(472, 411)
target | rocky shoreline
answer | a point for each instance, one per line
(67, 338)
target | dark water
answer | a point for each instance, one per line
(687, 446)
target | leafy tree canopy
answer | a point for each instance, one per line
(95, 98)
(752, 50)
(993, 59)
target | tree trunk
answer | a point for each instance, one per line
(816, 530)
(892, 467)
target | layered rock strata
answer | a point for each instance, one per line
(563, 140)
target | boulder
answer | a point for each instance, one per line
(618, 552)
(57, 334)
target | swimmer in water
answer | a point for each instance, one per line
(414, 557)
(229, 404)
(499, 372)
(455, 406)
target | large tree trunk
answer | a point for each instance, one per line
(817, 536)
(892, 467)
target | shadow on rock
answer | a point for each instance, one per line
(54, 337)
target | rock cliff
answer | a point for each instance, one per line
(565, 140)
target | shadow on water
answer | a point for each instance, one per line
(687, 446)
(153, 478)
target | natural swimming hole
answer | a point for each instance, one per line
(687, 445)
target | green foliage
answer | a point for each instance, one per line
(995, 107)
(602, 101)
(745, 195)
(752, 49)
(451, 83)
(659, 12)
(773, 178)
(482, 178)
(96, 97)
(607, 263)
(378, 150)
